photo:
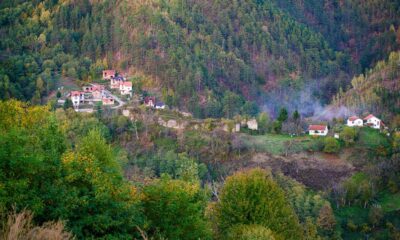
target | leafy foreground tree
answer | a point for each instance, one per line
(175, 209)
(253, 198)
(83, 186)
(100, 203)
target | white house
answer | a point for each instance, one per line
(252, 124)
(125, 88)
(77, 97)
(355, 121)
(318, 130)
(372, 121)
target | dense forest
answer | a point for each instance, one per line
(196, 52)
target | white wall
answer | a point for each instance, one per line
(318, 133)
(376, 122)
(358, 123)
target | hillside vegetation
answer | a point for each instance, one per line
(365, 29)
(377, 91)
(196, 53)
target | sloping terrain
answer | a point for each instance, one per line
(377, 91)
(193, 51)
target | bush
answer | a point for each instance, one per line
(317, 144)
(349, 135)
(351, 226)
(331, 145)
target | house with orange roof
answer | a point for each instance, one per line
(107, 101)
(318, 130)
(108, 74)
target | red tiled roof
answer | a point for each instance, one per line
(75, 93)
(108, 99)
(353, 118)
(98, 87)
(317, 127)
(109, 72)
(127, 84)
(369, 117)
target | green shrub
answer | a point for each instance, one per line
(331, 145)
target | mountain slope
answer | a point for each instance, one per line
(192, 51)
(377, 91)
(368, 30)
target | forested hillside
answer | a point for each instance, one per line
(367, 30)
(378, 90)
(195, 52)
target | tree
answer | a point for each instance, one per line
(175, 209)
(283, 115)
(375, 215)
(310, 230)
(349, 135)
(100, 202)
(331, 145)
(263, 122)
(396, 142)
(326, 218)
(277, 126)
(68, 104)
(85, 187)
(296, 116)
(250, 109)
(253, 198)
(231, 104)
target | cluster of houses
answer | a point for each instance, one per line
(96, 92)
(353, 121)
(152, 103)
(90, 94)
(118, 82)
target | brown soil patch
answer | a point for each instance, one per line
(316, 170)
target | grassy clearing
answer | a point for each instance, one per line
(276, 144)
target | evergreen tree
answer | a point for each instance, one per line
(283, 115)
